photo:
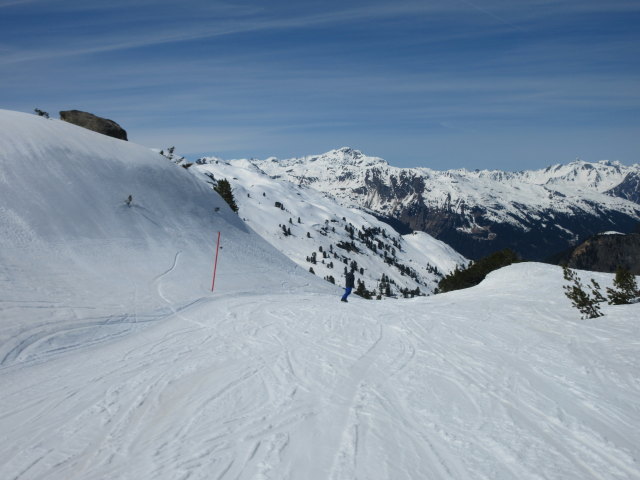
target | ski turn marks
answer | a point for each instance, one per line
(289, 387)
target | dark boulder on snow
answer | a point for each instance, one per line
(95, 123)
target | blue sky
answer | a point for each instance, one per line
(497, 84)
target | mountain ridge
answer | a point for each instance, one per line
(536, 212)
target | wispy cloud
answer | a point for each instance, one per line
(13, 3)
(326, 73)
(147, 28)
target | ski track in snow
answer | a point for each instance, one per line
(294, 387)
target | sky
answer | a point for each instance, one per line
(492, 84)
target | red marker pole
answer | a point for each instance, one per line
(215, 264)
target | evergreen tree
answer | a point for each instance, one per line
(587, 304)
(223, 187)
(595, 290)
(362, 291)
(625, 288)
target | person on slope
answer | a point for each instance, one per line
(348, 285)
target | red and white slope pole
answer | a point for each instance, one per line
(215, 263)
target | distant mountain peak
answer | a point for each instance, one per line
(349, 151)
(346, 156)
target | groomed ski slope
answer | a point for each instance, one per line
(117, 362)
(501, 381)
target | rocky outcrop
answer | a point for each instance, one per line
(628, 189)
(605, 253)
(95, 123)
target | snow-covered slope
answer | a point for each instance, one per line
(118, 363)
(497, 382)
(70, 244)
(536, 212)
(318, 233)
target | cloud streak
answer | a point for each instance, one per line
(157, 29)
(388, 76)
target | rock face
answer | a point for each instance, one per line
(95, 123)
(604, 253)
(629, 188)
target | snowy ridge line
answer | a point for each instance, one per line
(338, 170)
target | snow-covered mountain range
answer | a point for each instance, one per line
(117, 361)
(537, 213)
(321, 235)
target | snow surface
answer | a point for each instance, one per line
(118, 362)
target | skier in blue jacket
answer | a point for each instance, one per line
(348, 286)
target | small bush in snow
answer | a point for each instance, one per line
(586, 303)
(625, 288)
